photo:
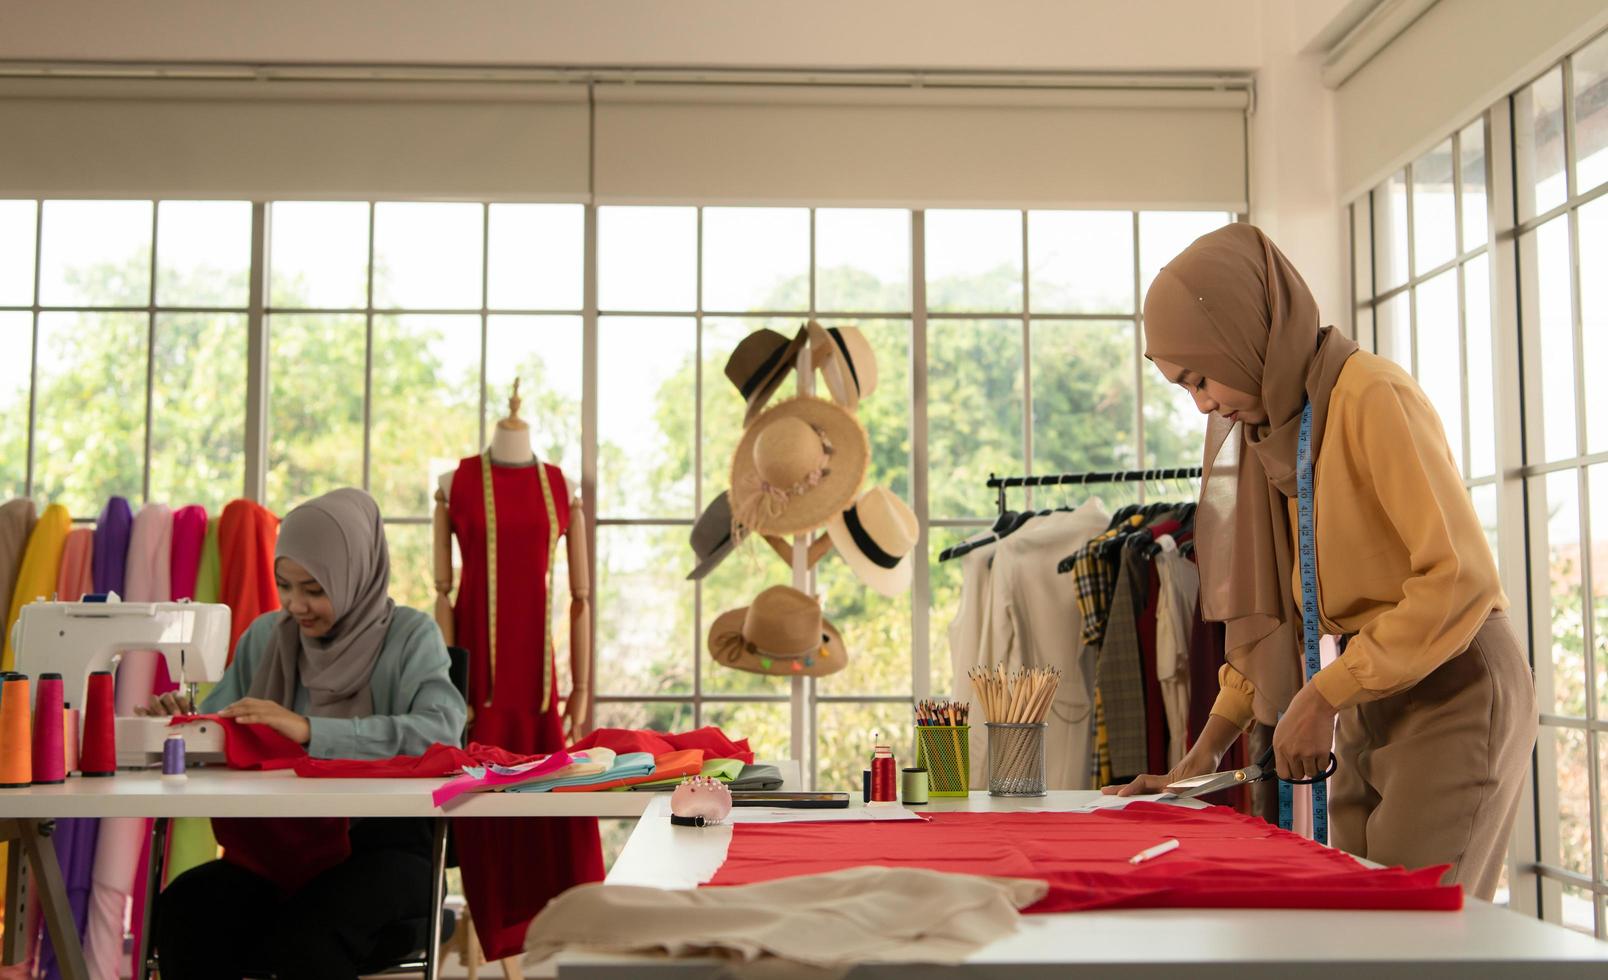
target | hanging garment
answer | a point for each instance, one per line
(969, 635)
(190, 841)
(1119, 673)
(1225, 859)
(508, 520)
(1033, 625)
(1155, 712)
(1095, 577)
(76, 576)
(189, 534)
(246, 535)
(40, 568)
(1179, 582)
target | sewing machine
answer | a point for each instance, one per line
(76, 638)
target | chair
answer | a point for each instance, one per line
(421, 933)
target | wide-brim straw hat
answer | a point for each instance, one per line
(798, 465)
(876, 535)
(781, 633)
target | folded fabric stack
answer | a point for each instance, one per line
(735, 774)
(670, 768)
(496, 778)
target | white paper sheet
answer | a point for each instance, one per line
(1110, 803)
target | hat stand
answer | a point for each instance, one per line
(803, 581)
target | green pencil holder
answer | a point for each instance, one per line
(945, 752)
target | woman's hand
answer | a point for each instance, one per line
(1304, 736)
(575, 715)
(171, 703)
(1201, 759)
(256, 711)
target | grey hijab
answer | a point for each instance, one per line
(340, 540)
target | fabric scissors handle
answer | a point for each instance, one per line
(1268, 771)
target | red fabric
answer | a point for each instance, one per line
(250, 746)
(246, 536)
(711, 740)
(438, 760)
(1226, 859)
(513, 866)
(189, 534)
(289, 852)
(686, 762)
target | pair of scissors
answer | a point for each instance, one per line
(1194, 786)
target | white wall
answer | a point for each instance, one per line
(1084, 35)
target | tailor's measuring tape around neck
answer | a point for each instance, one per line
(1310, 625)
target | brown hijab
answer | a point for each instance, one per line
(1231, 307)
(340, 539)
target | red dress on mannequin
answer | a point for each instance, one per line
(513, 866)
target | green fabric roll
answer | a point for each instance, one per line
(191, 843)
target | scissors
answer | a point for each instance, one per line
(1186, 789)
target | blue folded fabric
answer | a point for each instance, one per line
(627, 765)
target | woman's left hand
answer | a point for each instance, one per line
(1304, 736)
(256, 711)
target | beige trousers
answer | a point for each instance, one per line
(1433, 775)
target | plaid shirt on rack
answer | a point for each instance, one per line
(1096, 578)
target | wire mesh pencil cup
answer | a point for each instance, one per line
(1016, 759)
(945, 752)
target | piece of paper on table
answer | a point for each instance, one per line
(1107, 803)
(777, 814)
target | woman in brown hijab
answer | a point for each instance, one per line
(1433, 694)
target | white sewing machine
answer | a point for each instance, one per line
(76, 638)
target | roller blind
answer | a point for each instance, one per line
(921, 148)
(285, 140)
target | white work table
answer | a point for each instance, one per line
(1480, 941)
(226, 793)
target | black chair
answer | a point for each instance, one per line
(424, 935)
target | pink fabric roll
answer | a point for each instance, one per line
(147, 578)
(189, 532)
(77, 566)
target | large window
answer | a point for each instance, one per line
(384, 338)
(1484, 251)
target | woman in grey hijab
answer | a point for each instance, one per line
(346, 672)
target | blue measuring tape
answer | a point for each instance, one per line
(1306, 546)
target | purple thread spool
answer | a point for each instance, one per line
(173, 758)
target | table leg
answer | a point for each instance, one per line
(34, 838)
(438, 899)
(15, 947)
(153, 885)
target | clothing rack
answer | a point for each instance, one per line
(1001, 483)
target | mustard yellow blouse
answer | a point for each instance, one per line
(1404, 567)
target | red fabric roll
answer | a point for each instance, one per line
(1225, 859)
(246, 536)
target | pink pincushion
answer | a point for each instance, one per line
(701, 796)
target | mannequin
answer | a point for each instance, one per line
(510, 446)
(507, 509)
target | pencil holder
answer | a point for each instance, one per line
(1016, 759)
(945, 752)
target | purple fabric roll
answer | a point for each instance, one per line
(75, 847)
(112, 532)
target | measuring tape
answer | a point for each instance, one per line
(1310, 629)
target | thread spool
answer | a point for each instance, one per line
(69, 727)
(16, 736)
(49, 745)
(97, 755)
(173, 759)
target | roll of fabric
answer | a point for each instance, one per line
(189, 534)
(246, 536)
(17, 520)
(190, 842)
(76, 576)
(41, 566)
(146, 578)
(208, 587)
(112, 531)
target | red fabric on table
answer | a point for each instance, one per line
(711, 740)
(1225, 859)
(438, 760)
(250, 746)
(687, 762)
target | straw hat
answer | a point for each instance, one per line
(797, 465)
(760, 364)
(781, 632)
(846, 361)
(876, 536)
(713, 536)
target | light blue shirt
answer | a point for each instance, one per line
(415, 704)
